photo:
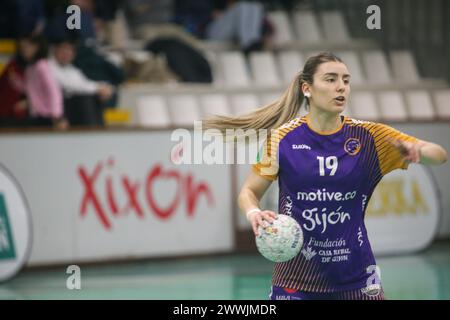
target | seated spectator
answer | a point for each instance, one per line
(44, 96)
(109, 23)
(12, 105)
(243, 21)
(225, 20)
(83, 98)
(96, 67)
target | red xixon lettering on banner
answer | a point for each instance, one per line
(186, 189)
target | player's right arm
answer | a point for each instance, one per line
(251, 193)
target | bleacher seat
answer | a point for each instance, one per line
(404, 68)
(152, 111)
(184, 110)
(234, 69)
(244, 103)
(217, 72)
(214, 104)
(353, 64)
(392, 106)
(334, 26)
(420, 106)
(264, 70)
(307, 27)
(283, 30)
(376, 67)
(290, 64)
(442, 103)
(363, 106)
(7, 46)
(116, 116)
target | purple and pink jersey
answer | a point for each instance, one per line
(325, 182)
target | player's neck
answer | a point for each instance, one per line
(324, 121)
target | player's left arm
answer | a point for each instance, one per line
(424, 152)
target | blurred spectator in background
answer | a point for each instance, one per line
(194, 15)
(226, 20)
(106, 10)
(57, 27)
(184, 60)
(96, 67)
(12, 110)
(44, 96)
(91, 63)
(82, 97)
(238, 20)
(109, 26)
(149, 19)
(143, 12)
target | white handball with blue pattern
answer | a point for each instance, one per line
(280, 241)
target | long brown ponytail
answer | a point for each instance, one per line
(279, 112)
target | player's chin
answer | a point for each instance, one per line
(338, 108)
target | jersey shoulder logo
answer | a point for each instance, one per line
(352, 146)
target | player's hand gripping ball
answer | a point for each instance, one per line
(280, 241)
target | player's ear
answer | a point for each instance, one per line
(305, 89)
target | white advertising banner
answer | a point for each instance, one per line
(402, 216)
(110, 195)
(404, 211)
(15, 226)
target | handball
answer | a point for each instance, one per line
(280, 241)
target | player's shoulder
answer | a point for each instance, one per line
(368, 125)
(379, 131)
(359, 123)
(288, 127)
